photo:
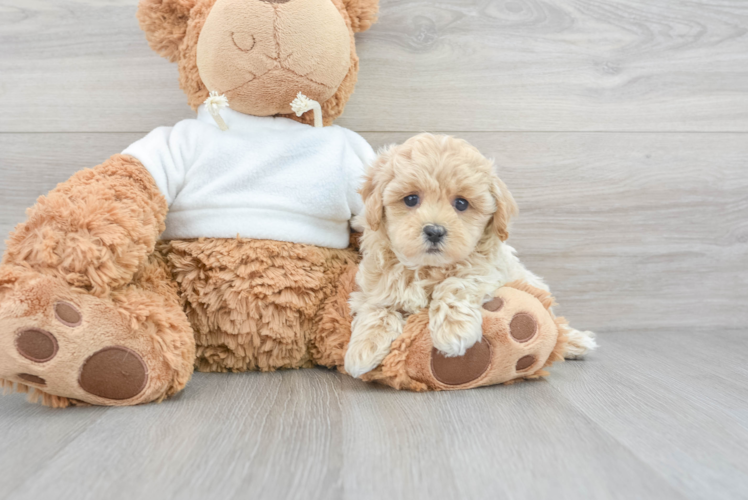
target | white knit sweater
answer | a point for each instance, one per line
(264, 178)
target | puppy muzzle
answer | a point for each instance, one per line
(434, 233)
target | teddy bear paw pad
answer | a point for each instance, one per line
(115, 373)
(463, 369)
(32, 379)
(36, 345)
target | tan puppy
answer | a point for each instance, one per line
(434, 223)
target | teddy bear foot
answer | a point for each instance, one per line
(66, 347)
(520, 338)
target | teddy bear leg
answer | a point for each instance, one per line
(520, 338)
(95, 230)
(88, 312)
(65, 346)
(332, 334)
(253, 304)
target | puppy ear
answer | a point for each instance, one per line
(363, 13)
(165, 24)
(371, 193)
(378, 175)
(506, 208)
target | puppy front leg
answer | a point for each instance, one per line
(455, 318)
(372, 332)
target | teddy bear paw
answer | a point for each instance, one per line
(64, 342)
(520, 336)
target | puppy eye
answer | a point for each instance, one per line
(461, 204)
(411, 200)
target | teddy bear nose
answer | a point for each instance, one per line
(434, 232)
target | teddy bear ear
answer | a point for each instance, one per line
(363, 13)
(165, 24)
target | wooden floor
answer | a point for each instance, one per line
(621, 126)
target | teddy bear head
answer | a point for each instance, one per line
(261, 53)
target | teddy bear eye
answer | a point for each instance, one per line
(411, 200)
(243, 42)
(461, 204)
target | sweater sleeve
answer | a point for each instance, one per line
(161, 154)
(365, 154)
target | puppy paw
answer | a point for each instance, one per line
(579, 344)
(363, 355)
(454, 330)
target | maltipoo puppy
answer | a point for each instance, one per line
(434, 226)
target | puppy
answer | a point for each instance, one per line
(434, 225)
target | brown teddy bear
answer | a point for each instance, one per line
(222, 243)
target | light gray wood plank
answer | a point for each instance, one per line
(520, 65)
(83, 65)
(639, 419)
(630, 230)
(303, 434)
(226, 436)
(675, 399)
(32, 435)
(507, 442)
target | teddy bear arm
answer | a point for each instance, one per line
(94, 230)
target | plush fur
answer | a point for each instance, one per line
(95, 230)
(253, 304)
(220, 305)
(214, 304)
(211, 304)
(403, 272)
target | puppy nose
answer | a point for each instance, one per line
(434, 232)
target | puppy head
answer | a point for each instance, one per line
(435, 198)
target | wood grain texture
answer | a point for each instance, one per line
(676, 401)
(237, 436)
(521, 441)
(630, 230)
(463, 65)
(659, 417)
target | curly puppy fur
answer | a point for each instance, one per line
(402, 271)
(173, 28)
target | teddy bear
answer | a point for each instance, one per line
(223, 243)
